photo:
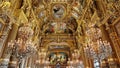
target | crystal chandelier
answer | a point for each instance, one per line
(98, 50)
(95, 47)
(23, 46)
(93, 33)
(21, 49)
(25, 32)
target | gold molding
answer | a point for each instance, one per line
(118, 19)
(1, 20)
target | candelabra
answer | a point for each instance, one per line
(95, 47)
(23, 46)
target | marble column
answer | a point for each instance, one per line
(29, 62)
(26, 62)
(22, 63)
(106, 37)
(91, 63)
(3, 39)
(116, 44)
(85, 59)
(12, 36)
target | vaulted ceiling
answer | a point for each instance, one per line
(60, 24)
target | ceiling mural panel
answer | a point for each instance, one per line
(58, 57)
(58, 11)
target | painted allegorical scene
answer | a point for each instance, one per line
(60, 57)
(57, 28)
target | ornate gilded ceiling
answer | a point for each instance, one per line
(59, 24)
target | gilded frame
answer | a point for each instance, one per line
(63, 5)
